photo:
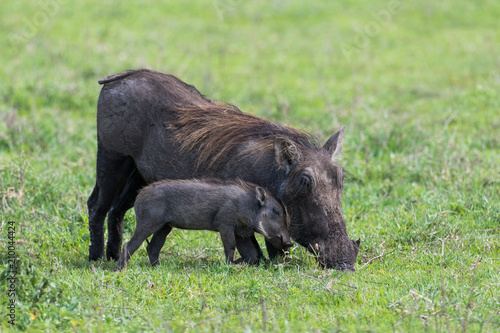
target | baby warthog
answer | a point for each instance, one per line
(233, 208)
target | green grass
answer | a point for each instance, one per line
(417, 90)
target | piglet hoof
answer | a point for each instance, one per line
(122, 262)
(119, 267)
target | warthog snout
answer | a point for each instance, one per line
(286, 243)
(282, 242)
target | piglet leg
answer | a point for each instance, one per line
(229, 242)
(156, 244)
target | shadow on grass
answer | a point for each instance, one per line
(176, 261)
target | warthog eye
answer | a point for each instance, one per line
(305, 183)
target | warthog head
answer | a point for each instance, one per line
(313, 194)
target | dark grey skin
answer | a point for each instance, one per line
(153, 126)
(232, 208)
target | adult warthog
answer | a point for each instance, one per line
(153, 126)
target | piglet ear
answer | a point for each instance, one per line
(260, 195)
(358, 242)
(334, 144)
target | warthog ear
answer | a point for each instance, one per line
(334, 144)
(285, 153)
(358, 242)
(260, 195)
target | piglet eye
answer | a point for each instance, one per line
(276, 211)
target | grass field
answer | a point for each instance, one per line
(415, 83)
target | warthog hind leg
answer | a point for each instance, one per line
(124, 202)
(112, 173)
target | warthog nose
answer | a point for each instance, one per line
(286, 243)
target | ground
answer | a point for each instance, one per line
(416, 85)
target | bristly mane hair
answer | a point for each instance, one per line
(215, 129)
